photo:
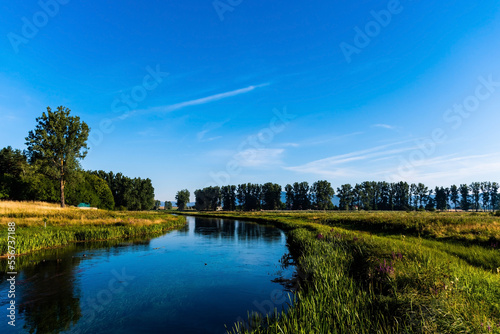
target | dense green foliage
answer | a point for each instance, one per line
(208, 198)
(88, 188)
(402, 196)
(372, 195)
(49, 169)
(182, 199)
(399, 196)
(129, 194)
(20, 180)
(228, 197)
(249, 196)
(56, 145)
(271, 196)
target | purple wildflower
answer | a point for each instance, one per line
(320, 236)
(385, 268)
(397, 256)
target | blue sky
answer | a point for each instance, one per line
(199, 93)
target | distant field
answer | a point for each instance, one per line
(469, 227)
(42, 225)
(388, 272)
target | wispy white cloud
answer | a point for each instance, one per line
(321, 140)
(391, 163)
(340, 165)
(384, 126)
(290, 144)
(200, 101)
(262, 157)
(208, 99)
(208, 127)
(447, 169)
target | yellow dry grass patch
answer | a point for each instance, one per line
(41, 213)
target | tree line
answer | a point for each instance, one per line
(22, 181)
(129, 194)
(369, 195)
(49, 169)
(403, 196)
(250, 196)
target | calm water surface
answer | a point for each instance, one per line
(193, 280)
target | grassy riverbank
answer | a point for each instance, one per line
(389, 272)
(41, 225)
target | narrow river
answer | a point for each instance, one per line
(197, 279)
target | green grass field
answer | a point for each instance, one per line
(358, 272)
(388, 272)
(41, 225)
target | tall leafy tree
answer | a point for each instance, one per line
(301, 200)
(367, 195)
(485, 195)
(441, 198)
(345, 196)
(494, 195)
(241, 195)
(413, 196)
(384, 190)
(357, 194)
(464, 197)
(454, 195)
(289, 196)
(182, 198)
(421, 193)
(57, 144)
(322, 194)
(208, 198)
(13, 171)
(402, 190)
(253, 197)
(271, 196)
(430, 201)
(228, 194)
(475, 188)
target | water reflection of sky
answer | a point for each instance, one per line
(193, 280)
